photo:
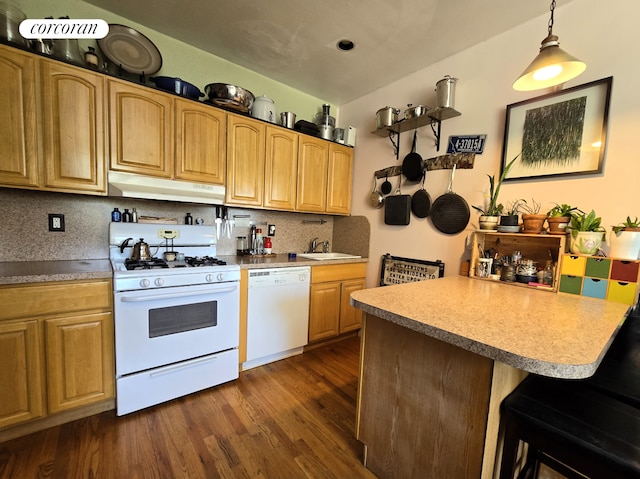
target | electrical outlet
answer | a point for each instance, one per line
(56, 222)
(272, 230)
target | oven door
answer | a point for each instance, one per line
(164, 326)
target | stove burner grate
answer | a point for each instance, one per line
(153, 263)
(196, 261)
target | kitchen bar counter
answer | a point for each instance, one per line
(556, 335)
(438, 357)
(15, 272)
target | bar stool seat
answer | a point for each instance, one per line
(569, 423)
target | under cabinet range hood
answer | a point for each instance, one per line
(130, 185)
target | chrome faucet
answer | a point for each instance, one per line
(325, 247)
(314, 245)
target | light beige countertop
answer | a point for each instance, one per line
(15, 272)
(551, 334)
(283, 261)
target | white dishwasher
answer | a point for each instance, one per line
(277, 314)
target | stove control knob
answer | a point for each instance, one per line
(145, 283)
(209, 278)
(158, 282)
(220, 276)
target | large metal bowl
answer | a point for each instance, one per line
(230, 96)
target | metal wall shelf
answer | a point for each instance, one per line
(432, 117)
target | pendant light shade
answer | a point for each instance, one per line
(551, 67)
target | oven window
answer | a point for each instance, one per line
(180, 319)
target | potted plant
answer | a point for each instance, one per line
(586, 233)
(532, 219)
(558, 218)
(510, 220)
(625, 240)
(490, 215)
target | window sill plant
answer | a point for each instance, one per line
(625, 240)
(587, 233)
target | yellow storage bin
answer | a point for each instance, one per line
(622, 292)
(573, 265)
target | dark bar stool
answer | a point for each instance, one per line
(580, 428)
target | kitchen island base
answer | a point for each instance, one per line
(427, 408)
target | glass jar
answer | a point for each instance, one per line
(241, 245)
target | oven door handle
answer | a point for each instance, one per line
(154, 297)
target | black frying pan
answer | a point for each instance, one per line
(413, 164)
(421, 201)
(450, 212)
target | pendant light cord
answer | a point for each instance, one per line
(552, 8)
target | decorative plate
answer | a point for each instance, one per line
(130, 50)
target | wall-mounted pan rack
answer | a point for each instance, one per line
(463, 161)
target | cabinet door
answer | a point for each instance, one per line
(200, 142)
(313, 154)
(79, 358)
(74, 129)
(281, 169)
(18, 122)
(245, 161)
(141, 130)
(339, 178)
(20, 375)
(350, 317)
(324, 310)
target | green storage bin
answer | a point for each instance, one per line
(570, 284)
(598, 267)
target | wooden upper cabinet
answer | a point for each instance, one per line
(200, 142)
(73, 114)
(18, 119)
(245, 161)
(141, 130)
(339, 178)
(312, 174)
(281, 169)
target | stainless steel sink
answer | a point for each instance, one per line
(322, 256)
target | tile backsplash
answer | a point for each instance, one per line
(25, 236)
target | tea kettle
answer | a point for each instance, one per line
(140, 251)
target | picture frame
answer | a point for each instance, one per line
(559, 134)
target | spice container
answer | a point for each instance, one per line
(116, 216)
(188, 220)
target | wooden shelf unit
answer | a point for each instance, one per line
(532, 246)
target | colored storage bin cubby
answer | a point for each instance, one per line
(595, 288)
(625, 271)
(622, 292)
(570, 284)
(598, 267)
(573, 265)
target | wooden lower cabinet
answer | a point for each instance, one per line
(57, 354)
(330, 311)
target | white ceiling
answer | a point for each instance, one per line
(294, 41)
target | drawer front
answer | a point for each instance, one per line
(622, 292)
(598, 268)
(626, 271)
(338, 272)
(595, 288)
(570, 284)
(53, 298)
(573, 265)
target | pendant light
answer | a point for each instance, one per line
(551, 67)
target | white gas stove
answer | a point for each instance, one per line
(176, 322)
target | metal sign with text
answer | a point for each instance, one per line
(466, 144)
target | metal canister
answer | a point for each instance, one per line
(446, 92)
(386, 116)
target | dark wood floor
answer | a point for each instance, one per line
(290, 419)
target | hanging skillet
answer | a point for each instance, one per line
(450, 212)
(375, 197)
(421, 201)
(413, 164)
